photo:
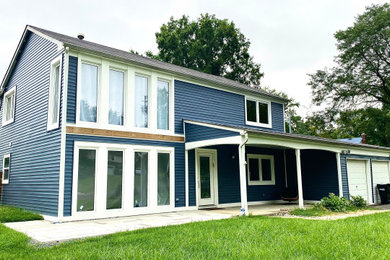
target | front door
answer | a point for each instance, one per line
(206, 175)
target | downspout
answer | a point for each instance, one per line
(245, 134)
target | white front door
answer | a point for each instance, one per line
(206, 177)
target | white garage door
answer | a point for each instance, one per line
(380, 175)
(357, 178)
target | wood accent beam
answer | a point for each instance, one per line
(122, 134)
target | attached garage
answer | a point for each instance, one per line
(380, 175)
(359, 179)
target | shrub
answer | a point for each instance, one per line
(335, 203)
(358, 202)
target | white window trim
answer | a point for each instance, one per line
(10, 92)
(56, 62)
(93, 62)
(8, 168)
(257, 123)
(103, 96)
(259, 157)
(128, 208)
(170, 106)
(150, 101)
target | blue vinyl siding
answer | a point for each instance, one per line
(319, 174)
(199, 103)
(72, 90)
(229, 176)
(179, 164)
(344, 172)
(35, 153)
(198, 133)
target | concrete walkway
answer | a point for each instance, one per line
(47, 232)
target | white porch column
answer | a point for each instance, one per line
(339, 174)
(299, 177)
(244, 200)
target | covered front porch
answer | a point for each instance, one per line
(246, 171)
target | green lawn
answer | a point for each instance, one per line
(11, 214)
(365, 237)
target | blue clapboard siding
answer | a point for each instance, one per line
(35, 153)
(229, 176)
(199, 103)
(179, 164)
(72, 90)
(319, 174)
(198, 133)
(344, 171)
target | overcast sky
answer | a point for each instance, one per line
(289, 38)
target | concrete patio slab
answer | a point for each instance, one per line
(47, 232)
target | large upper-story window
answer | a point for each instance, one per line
(89, 92)
(163, 105)
(9, 106)
(141, 100)
(258, 113)
(54, 95)
(116, 103)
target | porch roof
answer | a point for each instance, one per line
(259, 136)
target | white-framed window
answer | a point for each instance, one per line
(116, 112)
(6, 168)
(258, 112)
(260, 169)
(163, 94)
(115, 164)
(86, 179)
(141, 101)
(53, 113)
(163, 178)
(141, 176)
(9, 106)
(89, 90)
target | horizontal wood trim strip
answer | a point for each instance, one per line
(122, 134)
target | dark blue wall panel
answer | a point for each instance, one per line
(319, 174)
(72, 90)
(199, 103)
(179, 164)
(198, 133)
(35, 152)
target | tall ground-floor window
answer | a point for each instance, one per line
(140, 179)
(86, 180)
(111, 179)
(114, 179)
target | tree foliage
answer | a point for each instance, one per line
(209, 45)
(356, 92)
(362, 75)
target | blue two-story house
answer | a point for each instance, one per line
(88, 131)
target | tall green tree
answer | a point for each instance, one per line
(356, 92)
(209, 45)
(362, 74)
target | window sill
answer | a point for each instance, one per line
(261, 183)
(7, 122)
(5, 182)
(52, 127)
(258, 124)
